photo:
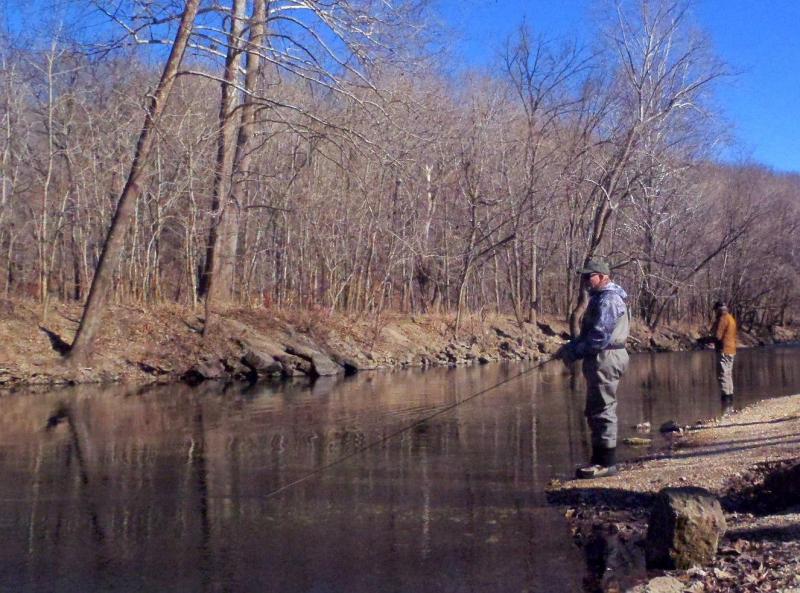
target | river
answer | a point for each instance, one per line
(174, 488)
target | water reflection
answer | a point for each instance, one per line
(170, 488)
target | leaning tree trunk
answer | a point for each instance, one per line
(112, 249)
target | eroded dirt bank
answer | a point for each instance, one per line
(164, 344)
(749, 458)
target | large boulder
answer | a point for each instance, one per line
(266, 357)
(684, 528)
(296, 355)
(261, 363)
(321, 364)
(354, 364)
(294, 366)
(204, 370)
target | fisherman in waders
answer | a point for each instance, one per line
(723, 336)
(601, 346)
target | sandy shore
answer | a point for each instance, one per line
(749, 458)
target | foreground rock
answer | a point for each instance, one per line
(684, 528)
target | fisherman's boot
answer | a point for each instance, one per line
(727, 403)
(604, 463)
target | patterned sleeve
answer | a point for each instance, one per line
(598, 336)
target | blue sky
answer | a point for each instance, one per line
(759, 39)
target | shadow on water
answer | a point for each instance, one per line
(167, 488)
(613, 559)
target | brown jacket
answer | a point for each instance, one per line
(724, 333)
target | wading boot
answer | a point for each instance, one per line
(727, 403)
(596, 471)
(603, 464)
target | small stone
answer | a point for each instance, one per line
(637, 441)
(261, 362)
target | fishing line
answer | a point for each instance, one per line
(400, 431)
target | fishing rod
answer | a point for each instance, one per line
(404, 429)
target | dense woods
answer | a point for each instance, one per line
(309, 155)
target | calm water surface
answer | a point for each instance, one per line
(169, 489)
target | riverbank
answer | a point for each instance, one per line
(165, 344)
(749, 458)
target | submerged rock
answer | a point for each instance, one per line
(684, 528)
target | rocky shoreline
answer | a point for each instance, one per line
(748, 459)
(165, 344)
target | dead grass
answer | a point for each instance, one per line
(161, 342)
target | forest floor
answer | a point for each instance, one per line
(165, 343)
(749, 458)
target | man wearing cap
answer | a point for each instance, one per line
(723, 336)
(601, 346)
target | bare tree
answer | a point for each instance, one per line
(343, 180)
(661, 70)
(222, 241)
(98, 294)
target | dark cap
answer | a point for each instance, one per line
(596, 266)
